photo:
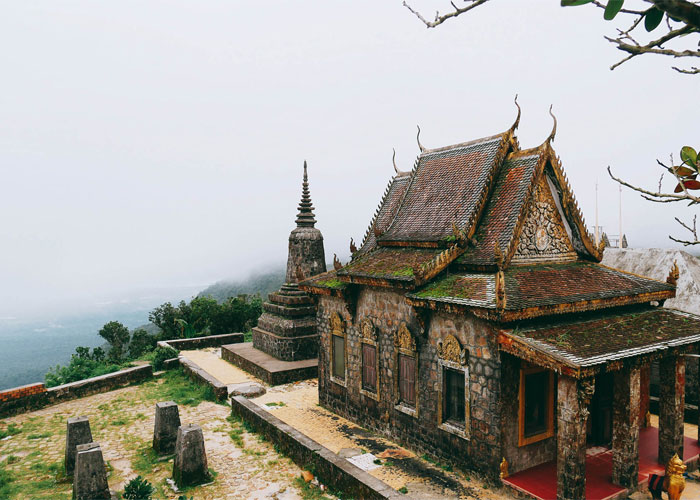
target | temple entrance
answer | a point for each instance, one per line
(599, 426)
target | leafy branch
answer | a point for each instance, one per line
(682, 18)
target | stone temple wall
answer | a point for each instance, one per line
(420, 432)
(523, 457)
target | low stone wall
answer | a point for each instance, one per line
(331, 470)
(103, 383)
(198, 375)
(203, 342)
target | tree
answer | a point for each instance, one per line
(141, 342)
(164, 317)
(117, 335)
(685, 176)
(682, 18)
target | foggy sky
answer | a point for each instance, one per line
(160, 144)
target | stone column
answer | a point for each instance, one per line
(625, 439)
(77, 432)
(165, 428)
(671, 407)
(90, 482)
(573, 398)
(190, 464)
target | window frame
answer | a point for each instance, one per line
(528, 369)
(451, 356)
(368, 336)
(405, 344)
(337, 329)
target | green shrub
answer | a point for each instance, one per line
(161, 354)
(138, 489)
(82, 365)
(141, 342)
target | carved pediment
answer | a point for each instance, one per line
(449, 349)
(337, 324)
(368, 330)
(543, 234)
(403, 338)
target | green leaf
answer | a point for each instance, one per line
(612, 9)
(574, 3)
(653, 18)
(689, 156)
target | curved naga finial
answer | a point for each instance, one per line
(393, 159)
(554, 128)
(517, 119)
(418, 139)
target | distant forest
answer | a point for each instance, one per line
(261, 283)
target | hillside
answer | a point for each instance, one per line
(261, 283)
(656, 263)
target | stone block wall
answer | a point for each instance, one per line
(420, 432)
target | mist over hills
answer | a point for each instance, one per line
(259, 283)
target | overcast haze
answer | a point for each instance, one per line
(160, 144)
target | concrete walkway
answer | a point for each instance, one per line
(210, 361)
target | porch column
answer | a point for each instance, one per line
(625, 432)
(671, 407)
(573, 398)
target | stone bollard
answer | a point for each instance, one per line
(90, 480)
(166, 426)
(190, 465)
(77, 432)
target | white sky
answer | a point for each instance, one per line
(160, 143)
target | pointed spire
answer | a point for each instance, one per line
(305, 217)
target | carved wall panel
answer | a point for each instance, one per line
(544, 235)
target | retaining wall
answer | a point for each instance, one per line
(37, 398)
(331, 470)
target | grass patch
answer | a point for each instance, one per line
(175, 386)
(403, 490)
(119, 422)
(40, 435)
(308, 491)
(281, 403)
(145, 459)
(11, 430)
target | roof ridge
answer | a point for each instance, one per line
(463, 144)
(412, 178)
(622, 271)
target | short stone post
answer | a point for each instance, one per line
(625, 439)
(671, 407)
(573, 398)
(166, 426)
(77, 432)
(190, 465)
(90, 481)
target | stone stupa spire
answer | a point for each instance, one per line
(305, 217)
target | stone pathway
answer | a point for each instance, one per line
(210, 361)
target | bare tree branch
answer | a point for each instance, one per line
(441, 19)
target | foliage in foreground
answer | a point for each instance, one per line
(138, 489)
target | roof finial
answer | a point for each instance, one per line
(517, 119)
(393, 159)
(422, 149)
(554, 128)
(305, 217)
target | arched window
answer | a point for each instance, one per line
(406, 371)
(369, 385)
(453, 383)
(338, 351)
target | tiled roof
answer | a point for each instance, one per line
(387, 210)
(328, 280)
(551, 284)
(541, 285)
(389, 263)
(598, 339)
(466, 289)
(503, 209)
(447, 187)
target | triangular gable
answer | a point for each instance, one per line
(525, 176)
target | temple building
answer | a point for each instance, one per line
(285, 342)
(475, 323)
